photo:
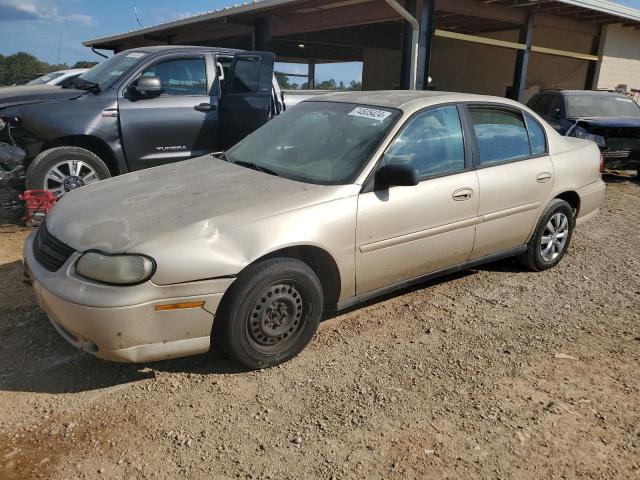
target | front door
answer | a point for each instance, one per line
(515, 175)
(246, 96)
(406, 232)
(180, 123)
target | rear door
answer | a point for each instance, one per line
(515, 176)
(245, 103)
(180, 123)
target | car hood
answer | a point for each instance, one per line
(13, 96)
(608, 122)
(203, 197)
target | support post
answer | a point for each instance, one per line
(407, 33)
(311, 78)
(424, 44)
(260, 39)
(522, 60)
(592, 67)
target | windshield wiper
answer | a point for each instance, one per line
(257, 167)
(82, 84)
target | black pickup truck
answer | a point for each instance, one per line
(140, 108)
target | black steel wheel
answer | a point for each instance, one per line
(270, 313)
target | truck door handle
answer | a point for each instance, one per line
(543, 177)
(462, 194)
(205, 107)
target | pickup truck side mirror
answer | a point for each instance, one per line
(396, 175)
(555, 113)
(147, 87)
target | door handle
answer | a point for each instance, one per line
(462, 194)
(205, 107)
(543, 177)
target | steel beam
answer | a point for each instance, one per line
(425, 41)
(522, 60)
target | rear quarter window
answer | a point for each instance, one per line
(537, 137)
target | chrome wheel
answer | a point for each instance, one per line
(69, 175)
(554, 237)
(277, 315)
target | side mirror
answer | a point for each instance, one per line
(555, 113)
(396, 175)
(147, 87)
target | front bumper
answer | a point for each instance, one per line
(121, 323)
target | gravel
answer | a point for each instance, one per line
(494, 372)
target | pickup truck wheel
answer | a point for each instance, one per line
(271, 313)
(63, 169)
(551, 238)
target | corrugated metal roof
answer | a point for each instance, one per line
(602, 6)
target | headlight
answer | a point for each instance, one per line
(3, 124)
(582, 133)
(122, 269)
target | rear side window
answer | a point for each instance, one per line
(431, 142)
(246, 76)
(502, 135)
(537, 138)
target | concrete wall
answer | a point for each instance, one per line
(475, 68)
(620, 53)
(381, 69)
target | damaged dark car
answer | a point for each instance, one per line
(611, 120)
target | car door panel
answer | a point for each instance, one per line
(513, 184)
(172, 126)
(407, 232)
(247, 96)
(511, 196)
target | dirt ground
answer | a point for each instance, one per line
(496, 372)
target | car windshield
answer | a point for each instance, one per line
(108, 71)
(316, 142)
(601, 106)
(45, 78)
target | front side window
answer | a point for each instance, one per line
(316, 142)
(502, 135)
(537, 138)
(431, 142)
(540, 103)
(180, 76)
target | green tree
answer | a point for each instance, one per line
(355, 85)
(84, 64)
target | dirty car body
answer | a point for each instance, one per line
(385, 189)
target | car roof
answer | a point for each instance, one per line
(175, 48)
(408, 100)
(584, 92)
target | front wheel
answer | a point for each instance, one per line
(551, 238)
(270, 313)
(63, 169)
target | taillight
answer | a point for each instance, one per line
(601, 163)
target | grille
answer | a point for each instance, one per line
(50, 252)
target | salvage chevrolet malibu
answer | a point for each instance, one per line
(338, 200)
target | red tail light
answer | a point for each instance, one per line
(601, 163)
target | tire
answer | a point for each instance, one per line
(534, 257)
(270, 313)
(91, 169)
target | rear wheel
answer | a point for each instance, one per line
(551, 238)
(270, 314)
(63, 169)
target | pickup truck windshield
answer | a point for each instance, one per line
(316, 142)
(109, 70)
(601, 106)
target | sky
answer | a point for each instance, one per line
(38, 26)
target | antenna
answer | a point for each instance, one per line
(59, 47)
(135, 12)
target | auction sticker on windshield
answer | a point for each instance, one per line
(372, 113)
